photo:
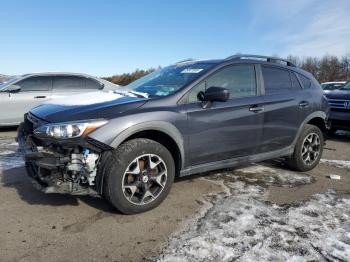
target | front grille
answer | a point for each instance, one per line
(339, 104)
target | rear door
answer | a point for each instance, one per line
(34, 91)
(65, 85)
(281, 106)
(228, 129)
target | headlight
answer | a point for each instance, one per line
(69, 129)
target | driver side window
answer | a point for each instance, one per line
(37, 83)
(238, 79)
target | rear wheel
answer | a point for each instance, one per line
(308, 149)
(138, 176)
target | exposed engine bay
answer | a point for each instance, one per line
(73, 172)
(67, 168)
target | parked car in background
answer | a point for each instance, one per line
(21, 93)
(187, 118)
(329, 86)
(3, 78)
(339, 101)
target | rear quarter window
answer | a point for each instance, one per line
(92, 84)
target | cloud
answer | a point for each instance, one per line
(305, 28)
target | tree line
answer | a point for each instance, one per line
(325, 69)
(126, 78)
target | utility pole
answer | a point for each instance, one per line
(346, 62)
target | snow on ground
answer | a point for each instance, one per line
(9, 155)
(242, 226)
(337, 163)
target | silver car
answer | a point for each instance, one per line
(21, 93)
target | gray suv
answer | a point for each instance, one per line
(187, 118)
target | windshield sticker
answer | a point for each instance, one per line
(191, 71)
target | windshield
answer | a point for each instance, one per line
(332, 86)
(8, 81)
(168, 80)
(346, 87)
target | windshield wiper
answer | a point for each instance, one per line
(131, 93)
(139, 94)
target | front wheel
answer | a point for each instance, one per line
(308, 149)
(138, 176)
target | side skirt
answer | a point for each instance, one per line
(236, 161)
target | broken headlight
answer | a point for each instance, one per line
(69, 129)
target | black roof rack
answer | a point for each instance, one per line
(260, 57)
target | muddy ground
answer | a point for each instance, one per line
(39, 227)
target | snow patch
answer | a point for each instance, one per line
(84, 99)
(10, 161)
(275, 175)
(242, 226)
(337, 163)
(9, 155)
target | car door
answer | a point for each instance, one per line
(282, 100)
(228, 129)
(306, 101)
(64, 85)
(33, 91)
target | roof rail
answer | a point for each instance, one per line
(260, 57)
(185, 61)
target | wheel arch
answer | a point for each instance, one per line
(317, 118)
(319, 122)
(162, 132)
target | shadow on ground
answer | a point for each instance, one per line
(17, 179)
(340, 136)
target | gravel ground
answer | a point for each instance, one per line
(259, 212)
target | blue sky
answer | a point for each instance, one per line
(108, 37)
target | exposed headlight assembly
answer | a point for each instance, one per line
(69, 129)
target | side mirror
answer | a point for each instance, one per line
(218, 94)
(13, 89)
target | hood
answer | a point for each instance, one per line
(338, 94)
(92, 105)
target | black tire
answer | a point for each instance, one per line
(296, 161)
(117, 164)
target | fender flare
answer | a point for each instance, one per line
(165, 127)
(313, 115)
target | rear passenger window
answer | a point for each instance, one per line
(295, 82)
(92, 84)
(276, 80)
(38, 83)
(68, 82)
(306, 81)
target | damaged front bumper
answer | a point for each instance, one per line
(66, 167)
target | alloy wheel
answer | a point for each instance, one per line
(311, 148)
(144, 179)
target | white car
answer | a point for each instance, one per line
(21, 93)
(329, 86)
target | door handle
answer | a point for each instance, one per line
(38, 97)
(256, 108)
(303, 104)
